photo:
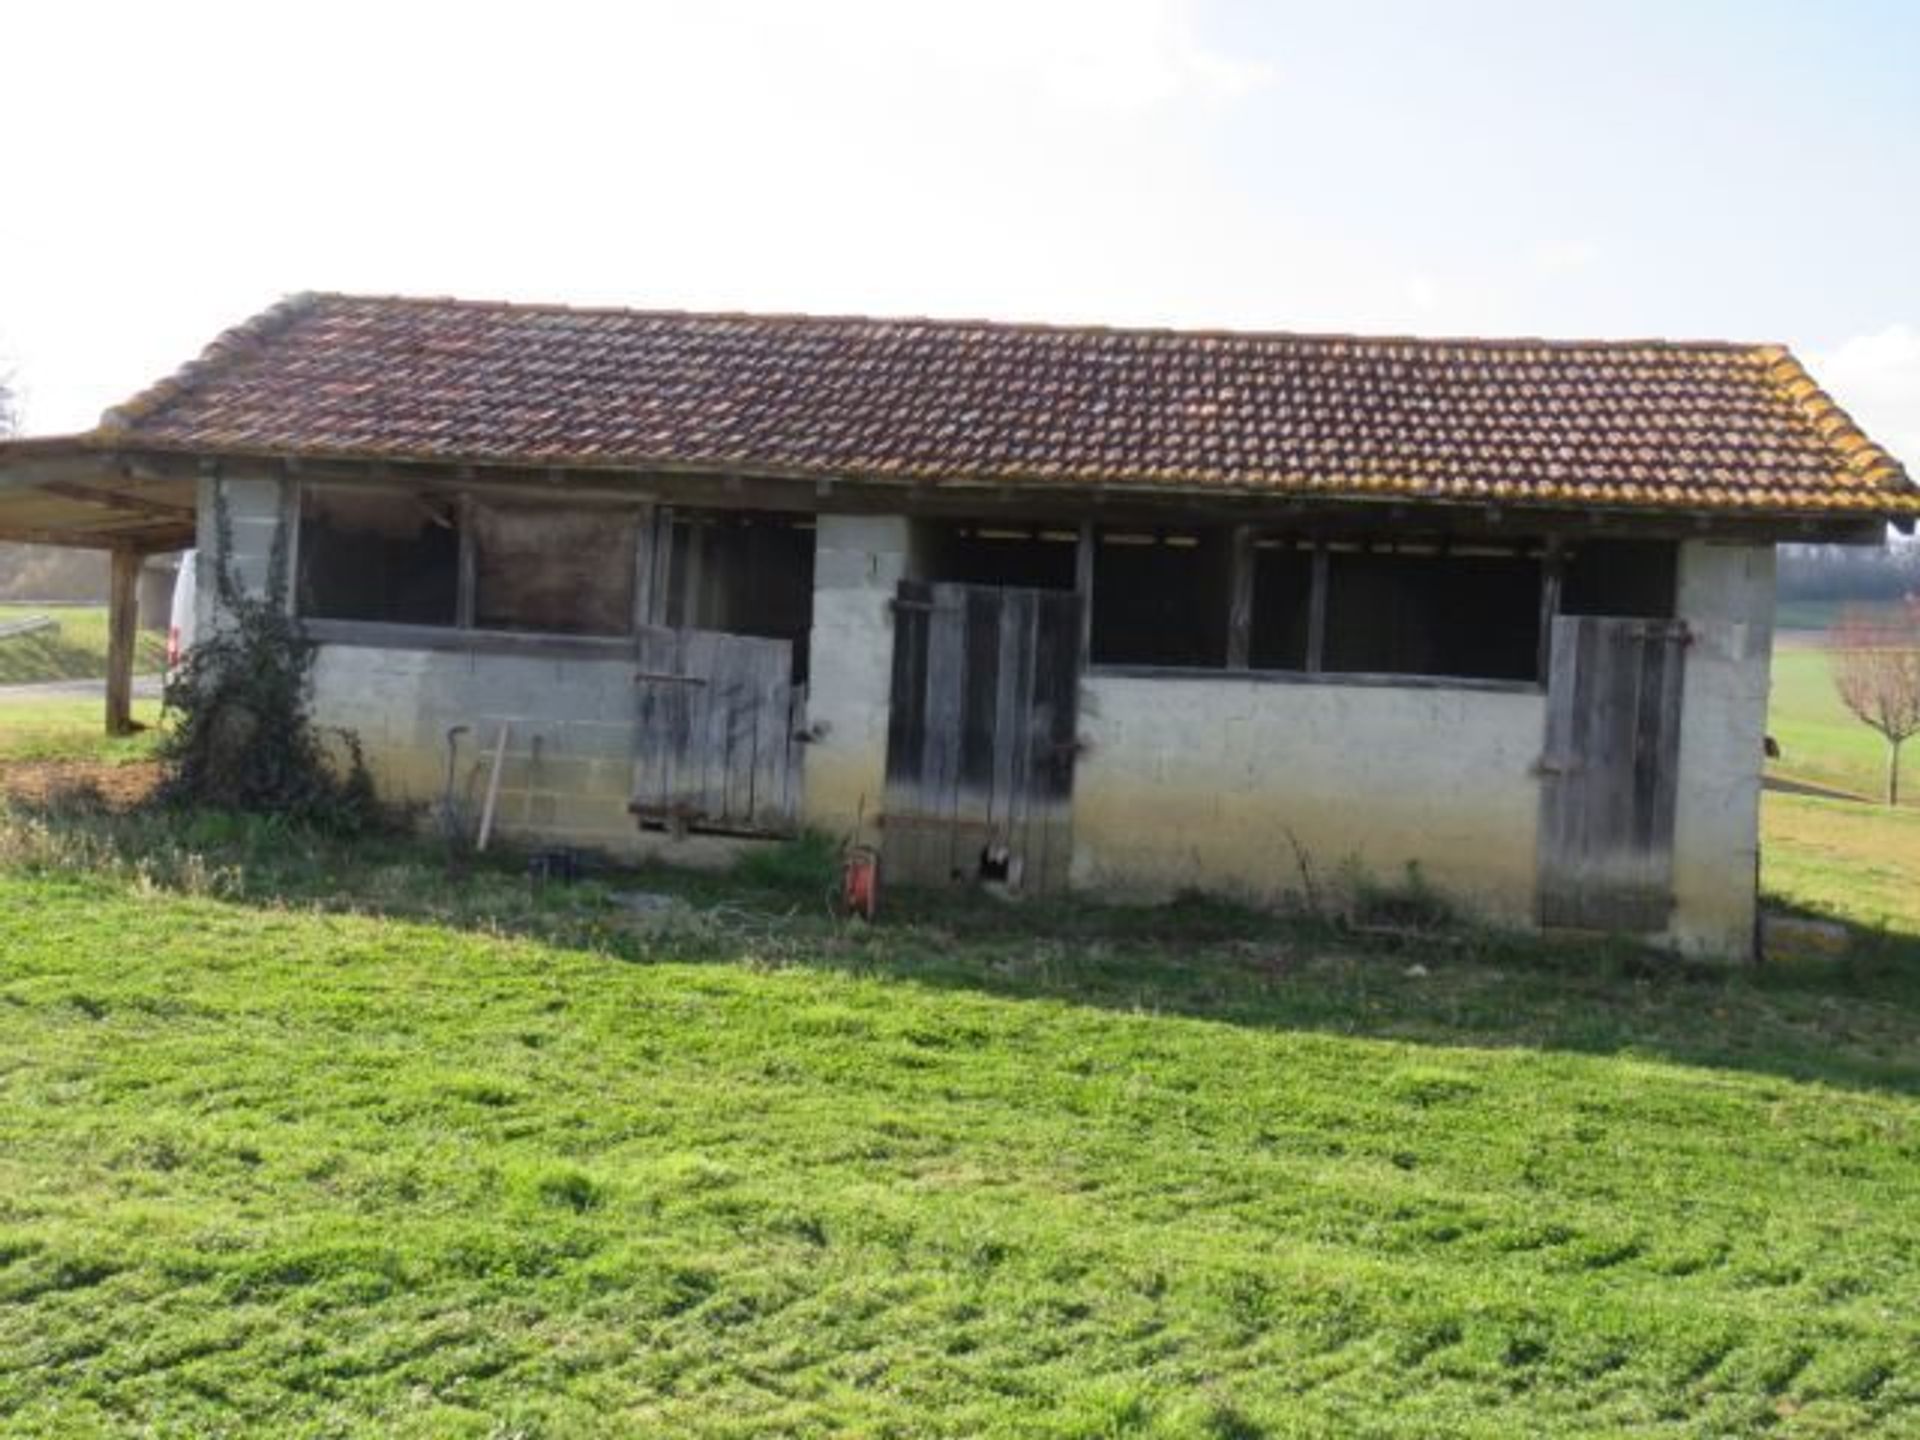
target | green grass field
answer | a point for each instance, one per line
(483, 1161)
(1819, 741)
(77, 650)
(307, 1138)
(72, 728)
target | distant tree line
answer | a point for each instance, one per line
(1850, 572)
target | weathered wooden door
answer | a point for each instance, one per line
(1610, 773)
(981, 742)
(715, 740)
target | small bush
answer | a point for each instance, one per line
(242, 739)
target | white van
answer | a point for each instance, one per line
(180, 623)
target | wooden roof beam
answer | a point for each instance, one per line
(115, 500)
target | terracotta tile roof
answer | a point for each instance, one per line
(1643, 425)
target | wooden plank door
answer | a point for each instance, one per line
(714, 745)
(1610, 773)
(981, 738)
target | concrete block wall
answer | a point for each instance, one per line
(568, 773)
(1210, 782)
(1726, 597)
(1205, 782)
(567, 777)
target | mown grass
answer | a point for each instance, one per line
(486, 1160)
(73, 728)
(76, 650)
(1855, 862)
(1820, 741)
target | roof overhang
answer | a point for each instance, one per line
(87, 491)
(68, 491)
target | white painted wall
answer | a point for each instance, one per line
(1208, 782)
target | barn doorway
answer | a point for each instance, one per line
(981, 740)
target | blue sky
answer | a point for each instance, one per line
(1749, 171)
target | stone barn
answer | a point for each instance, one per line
(1124, 611)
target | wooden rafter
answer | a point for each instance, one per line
(116, 500)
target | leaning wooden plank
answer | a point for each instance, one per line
(493, 789)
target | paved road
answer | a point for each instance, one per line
(145, 687)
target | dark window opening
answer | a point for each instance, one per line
(564, 572)
(1633, 579)
(743, 573)
(378, 555)
(971, 554)
(1161, 598)
(1461, 614)
(1282, 606)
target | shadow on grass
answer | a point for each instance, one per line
(1846, 1020)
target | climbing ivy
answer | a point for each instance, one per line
(242, 738)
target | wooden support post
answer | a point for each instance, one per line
(123, 614)
(1552, 567)
(469, 572)
(1317, 613)
(1240, 603)
(1083, 583)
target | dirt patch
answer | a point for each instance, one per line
(38, 781)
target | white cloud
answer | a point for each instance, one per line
(1876, 378)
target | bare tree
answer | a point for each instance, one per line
(9, 411)
(1875, 657)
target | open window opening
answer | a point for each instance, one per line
(558, 571)
(744, 572)
(378, 555)
(983, 554)
(1461, 612)
(1633, 579)
(1161, 597)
